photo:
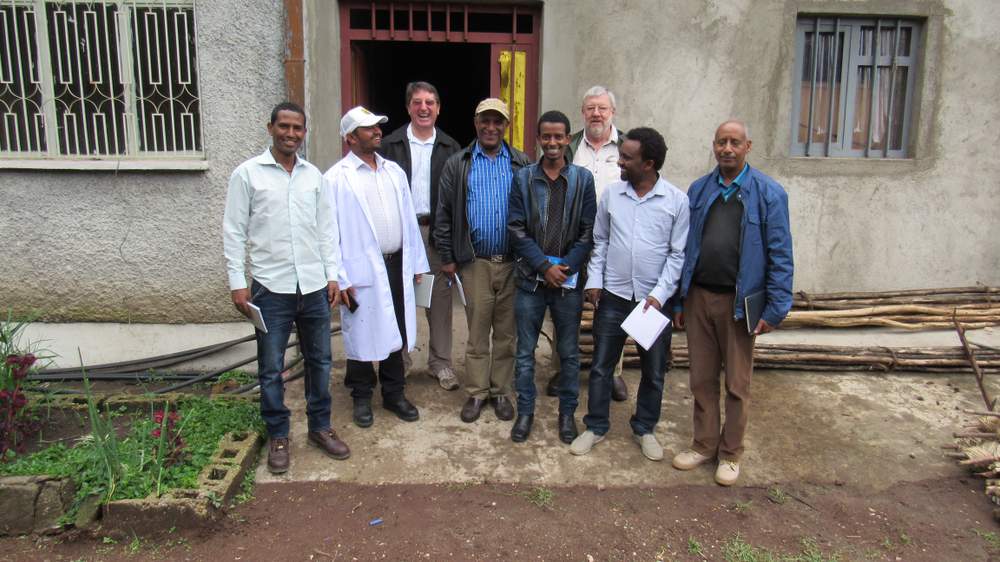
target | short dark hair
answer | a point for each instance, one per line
(651, 145)
(553, 117)
(288, 106)
(419, 86)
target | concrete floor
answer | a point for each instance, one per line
(862, 429)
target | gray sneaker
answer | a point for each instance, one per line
(585, 442)
(651, 448)
(447, 379)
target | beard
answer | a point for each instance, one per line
(596, 130)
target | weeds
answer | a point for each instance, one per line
(777, 495)
(17, 422)
(738, 550)
(541, 497)
(743, 507)
(991, 538)
(694, 547)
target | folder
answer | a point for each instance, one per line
(753, 309)
(422, 291)
(256, 318)
(644, 326)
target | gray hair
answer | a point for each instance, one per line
(740, 122)
(595, 91)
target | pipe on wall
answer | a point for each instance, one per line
(295, 62)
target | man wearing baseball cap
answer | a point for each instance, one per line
(381, 250)
(470, 231)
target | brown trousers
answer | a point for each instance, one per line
(716, 341)
(489, 292)
(438, 315)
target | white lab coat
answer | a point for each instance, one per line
(370, 333)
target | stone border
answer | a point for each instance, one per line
(33, 504)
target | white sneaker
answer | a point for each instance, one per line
(447, 379)
(727, 473)
(689, 459)
(651, 448)
(585, 442)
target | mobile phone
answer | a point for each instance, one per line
(354, 304)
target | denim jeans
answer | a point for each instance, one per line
(311, 315)
(565, 307)
(609, 339)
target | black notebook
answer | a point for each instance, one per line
(753, 308)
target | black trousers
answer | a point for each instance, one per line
(360, 377)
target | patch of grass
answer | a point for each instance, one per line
(777, 495)
(541, 497)
(246, 486)
(905, 539)
(742, 507)
(694, 547)
(991, 538)
(737, 549)
(239, 377)
(135, 546)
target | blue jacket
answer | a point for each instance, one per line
(526, 215)
(765, 242)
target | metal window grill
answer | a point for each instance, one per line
(99, 79)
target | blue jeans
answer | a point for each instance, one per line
(609, 339)
(565, 306)
(311, 315)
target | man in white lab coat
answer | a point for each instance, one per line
(381, 251)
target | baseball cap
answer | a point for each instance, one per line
(493, 104)
(359, 117)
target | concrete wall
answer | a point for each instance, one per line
(684, 66)
(147, 246)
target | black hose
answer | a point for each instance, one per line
(136, 376)
(157, 361)
(250, 386)
(213, 374)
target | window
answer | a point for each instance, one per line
(105, 79)
(855, 86)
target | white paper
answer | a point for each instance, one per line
(461, 290)
(422, 291)
(256, 317)
(645, 326)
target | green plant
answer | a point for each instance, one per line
(777, 495)
(991, 538)
(541, 497)
(694, 547)
(737, 549)
(17, 423)
(742, 507)
(246, 486)
(239, 377)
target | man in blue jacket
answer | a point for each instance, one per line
(550, 222)
(736, 284)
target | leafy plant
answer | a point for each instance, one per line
(694, 547)
(777, 495)
(541, 497)
(17, 423)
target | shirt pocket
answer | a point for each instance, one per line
(305, 202)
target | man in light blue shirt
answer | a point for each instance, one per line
(275, 209)
(639, 237)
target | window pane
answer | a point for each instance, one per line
(880, 108)
(23, 122)
(828, 80)
(905, 36)
(898, 109)
(862, 100)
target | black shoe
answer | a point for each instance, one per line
(522, 428)
(567, 428)
(363, 413)
(502, 408)
(403, 409)
(552, 389)
(619, 390)
(471, 409)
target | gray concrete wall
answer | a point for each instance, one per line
(684, 66)
(147, 246)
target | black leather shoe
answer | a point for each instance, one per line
(619, 390)
(522, 428)
(403, 409)
(471, 409)
(363, 413)
(502, 408)
(552, 389)
(567, 428)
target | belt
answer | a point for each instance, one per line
(497, 258)
(424, 220)
(393, 256)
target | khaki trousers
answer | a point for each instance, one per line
(438, 315)
(489, 293)
(716, 342)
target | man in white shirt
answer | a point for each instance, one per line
(639, 238)
(421, 149)
(381, 252)
(595, 147)
(275, 209)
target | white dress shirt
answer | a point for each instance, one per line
(602, 163)
(639, 242)
(420, 174)
(288, 227)
(380, 194)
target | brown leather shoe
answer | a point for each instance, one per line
(471, 409)
(278, 457)
(328, 442)
(502, 408)
(619, 391)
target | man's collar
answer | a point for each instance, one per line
(356, 161)
(267, 159)
(739, 179)
(413, 138)
(540, 172)
(659, 188)
(478, 150)
(613, 139)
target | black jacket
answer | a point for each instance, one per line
(396, 147)
(451, 225)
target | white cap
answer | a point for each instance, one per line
(359, 117)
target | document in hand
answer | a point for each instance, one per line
(569, 283)
(461, 290)
(422, 291)
(645, 325)
(753, 309)
(256, 318)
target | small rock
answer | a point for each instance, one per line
(838, 482)
(912, 456)
(921, 398)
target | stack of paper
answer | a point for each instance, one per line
(644, 326)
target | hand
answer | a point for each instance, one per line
(762, 327)
(449, 269)
(592, 296)
(346, 295)
(332, 293)
(679, 320)
(418, 278)
(241, 298)
(555, 275)
(651, 302)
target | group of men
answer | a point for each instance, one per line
(591, 219)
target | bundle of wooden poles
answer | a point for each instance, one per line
(977, 447)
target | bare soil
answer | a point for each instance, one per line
(933, 520)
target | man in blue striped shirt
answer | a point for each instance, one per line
(470, 231)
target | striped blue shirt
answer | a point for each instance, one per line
(489, 189)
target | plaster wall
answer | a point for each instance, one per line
(682, 67)
(147, 246)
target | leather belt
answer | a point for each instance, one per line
(393, 256)
(498, 258)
